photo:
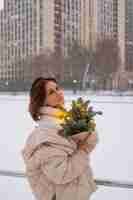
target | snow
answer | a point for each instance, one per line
(111, 159)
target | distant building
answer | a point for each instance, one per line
(33, 26)
(115, 19)
(29, 27)
(129, 36)
(89, 23)
(105, 18)
(71, 23)
(125, 39)
(19, 37)
(2, 46)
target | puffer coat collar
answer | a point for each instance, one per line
(49, 117)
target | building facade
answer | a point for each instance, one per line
(88, 25)
(19, 36)
(2, 46)
(115, 18)
(71, 23)
(105, 18)
(33, 26)
(125, 40)
(129, 36)
(29, 27)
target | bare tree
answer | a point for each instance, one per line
(45, 64)
(76, 61)
(57, 65)
(107, 59)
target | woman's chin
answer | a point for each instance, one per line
(61, 104)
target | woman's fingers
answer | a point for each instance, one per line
(92, 137)
(83, 146)
(80, 136)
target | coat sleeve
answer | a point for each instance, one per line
(60, 167)
(92, 141)
(86, 141)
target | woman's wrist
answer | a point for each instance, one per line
(82, 146)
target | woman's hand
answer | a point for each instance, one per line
(84, 147)
(80, 137)
(88, 141)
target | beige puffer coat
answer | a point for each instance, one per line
(54, 165)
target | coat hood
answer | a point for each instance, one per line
(46, 132)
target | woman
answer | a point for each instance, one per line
(56, 168)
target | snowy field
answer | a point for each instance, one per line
(111, 159)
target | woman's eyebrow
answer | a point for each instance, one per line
(52, 89)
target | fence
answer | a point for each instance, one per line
(104, 182)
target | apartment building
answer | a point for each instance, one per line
(115, 18)
(125, 32)
(72, 12)
(129, 36)
(2, 45)
(88, 24)
(105, 18)
(18, 36)
(29, 27)
(33, 26)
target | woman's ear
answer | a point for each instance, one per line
(29, 105)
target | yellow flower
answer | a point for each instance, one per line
(68, 118)
(92, 124)
(61, 114)
(82, 110)
(92, 120)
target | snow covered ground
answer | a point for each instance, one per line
(111, 159)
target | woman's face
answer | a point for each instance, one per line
(55, 95)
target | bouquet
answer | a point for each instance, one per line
(79, 118)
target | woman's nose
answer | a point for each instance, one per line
(61, 92)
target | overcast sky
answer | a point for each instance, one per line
(1, 4)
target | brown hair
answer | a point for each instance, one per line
(38, 96)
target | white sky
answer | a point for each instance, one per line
(1, 4)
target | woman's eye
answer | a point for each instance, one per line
(51, 92)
